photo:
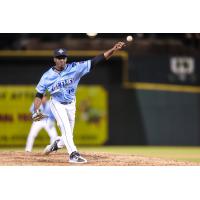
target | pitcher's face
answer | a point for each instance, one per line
(60, 62)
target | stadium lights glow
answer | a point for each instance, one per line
(91, 34)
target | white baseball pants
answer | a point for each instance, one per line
(48, 125)
(65, 117)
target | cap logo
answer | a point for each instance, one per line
(61, 51)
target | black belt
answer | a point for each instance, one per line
(66, 103)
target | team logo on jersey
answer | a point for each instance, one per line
(62, 84)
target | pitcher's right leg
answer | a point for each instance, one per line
(62, 118)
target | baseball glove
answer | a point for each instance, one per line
(38, 115)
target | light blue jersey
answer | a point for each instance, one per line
(45, 109)
(62, 86)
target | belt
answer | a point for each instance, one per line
(66, 103)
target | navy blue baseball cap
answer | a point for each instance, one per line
(60, 52)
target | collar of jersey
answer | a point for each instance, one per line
(57, 71)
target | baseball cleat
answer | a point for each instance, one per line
(75, 157)
(50, 148)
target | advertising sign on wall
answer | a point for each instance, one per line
(15, 119)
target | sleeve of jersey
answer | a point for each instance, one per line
(41, 87)
(84, 67)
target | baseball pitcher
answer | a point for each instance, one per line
(61, 81)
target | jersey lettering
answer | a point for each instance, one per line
(62, 84)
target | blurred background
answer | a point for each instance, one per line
(147, 94)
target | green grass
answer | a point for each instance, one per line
(191, 154)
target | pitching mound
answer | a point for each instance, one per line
(17, 158)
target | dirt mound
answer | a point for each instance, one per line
(19, 158)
